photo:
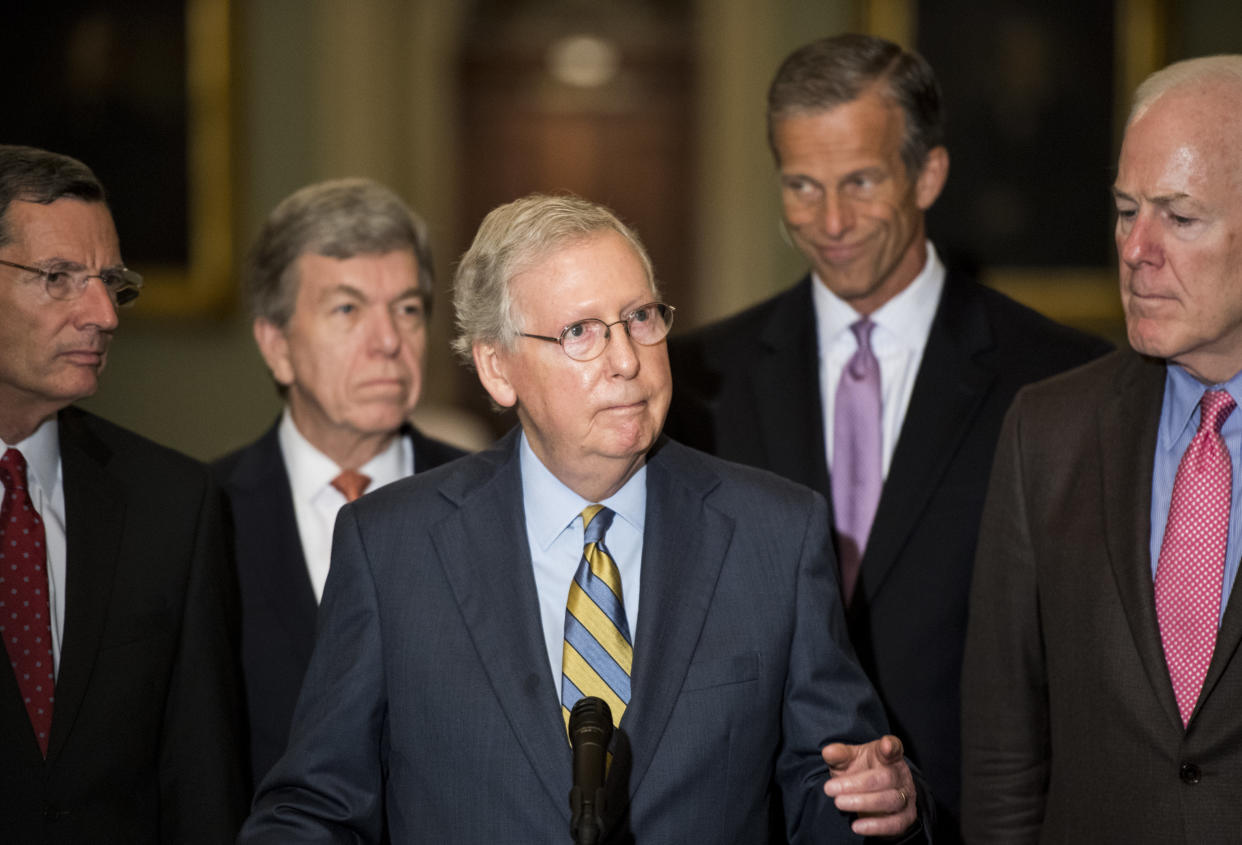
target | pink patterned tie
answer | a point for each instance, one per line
(856, 474)
(1192, 554)
(25, 622)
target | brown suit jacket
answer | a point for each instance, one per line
(1070, 728)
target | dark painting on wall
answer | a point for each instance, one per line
(139, 91)
(1029, 91)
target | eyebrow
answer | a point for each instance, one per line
(350, 290)
(1164, 200)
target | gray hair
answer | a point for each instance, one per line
(29, 174)
(833, 71)
(1223, 68)
(340, 218)
(512, 238)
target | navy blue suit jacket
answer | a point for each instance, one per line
(278, 602)
(428, 703)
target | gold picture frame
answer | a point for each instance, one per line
(204, 286)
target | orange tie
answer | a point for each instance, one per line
(351, 483)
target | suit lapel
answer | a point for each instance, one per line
(679, 574)
(1128, 422)
(266, 524)
(785, 384)
(951, 385)
(486, 558)
(94, 523)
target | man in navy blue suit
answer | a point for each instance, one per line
(434, 704)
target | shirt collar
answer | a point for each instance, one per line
(310, 470)
(42, 453)
(551, 507)
(1182, 393)
(904, 319)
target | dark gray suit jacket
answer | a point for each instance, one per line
(429, 702)
(146, 742)
(747, 389)
(278, 602)
(1071, 729)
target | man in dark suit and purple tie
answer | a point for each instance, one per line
(880, 379)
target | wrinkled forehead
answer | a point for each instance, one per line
(68, 228)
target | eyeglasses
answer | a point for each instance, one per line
(123, 285)
(586, 339)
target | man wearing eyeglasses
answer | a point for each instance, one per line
(471, 608)
(119, 702)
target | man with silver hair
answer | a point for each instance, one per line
(340, 285)
(583, 559)
(1102, 684)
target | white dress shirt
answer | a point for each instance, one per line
(555, 533)
(316, 501)
(45, 483)
(900, 335)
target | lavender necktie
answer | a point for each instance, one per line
(856, 455)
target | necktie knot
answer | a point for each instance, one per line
(13, 470)
(862, 363)
(1214, 408)
(596, 520)
(351, 484)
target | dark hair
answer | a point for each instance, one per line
(29, 174)
(834, 71)
(340, 218)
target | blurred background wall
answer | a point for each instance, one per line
(200, 116)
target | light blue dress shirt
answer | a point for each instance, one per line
(1179, 420)
(554, 531)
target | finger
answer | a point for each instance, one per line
(888, 825)
(891, 749)
(838, 755)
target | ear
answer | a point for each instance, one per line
(932, 178)
(492, 366)
(274, 347)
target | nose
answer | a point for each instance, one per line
(836, 216)
(622, 352)
(383, 335)
(1138, 241)
(95, 306)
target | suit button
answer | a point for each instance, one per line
(1189, 773)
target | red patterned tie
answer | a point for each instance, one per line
(1192, 554)
(25, 622)
(351, 484)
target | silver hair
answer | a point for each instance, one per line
(1222, 68)
(512, 238)
(340, 218)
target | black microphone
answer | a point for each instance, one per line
(590, 730)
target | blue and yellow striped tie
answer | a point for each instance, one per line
(598, 650)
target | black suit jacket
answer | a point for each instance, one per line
(747, 389)
(278, 602)
(1075, 733)
(146, 742)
